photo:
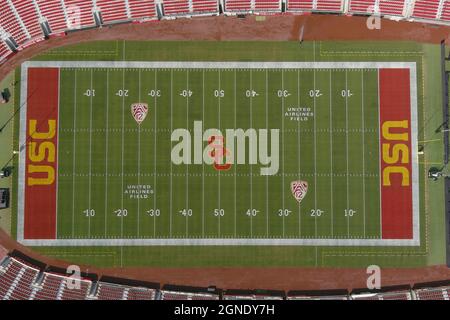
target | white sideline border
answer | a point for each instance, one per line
(415, 241)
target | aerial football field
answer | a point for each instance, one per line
(143, 153)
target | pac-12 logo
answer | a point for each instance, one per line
(139, 111)
(299, 189)
(41, 154)
(395, 151)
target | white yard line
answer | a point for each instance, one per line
(90, 156)
(187, 166)
(203, 163)
(219, 171)
(298, 155)
(363, 151)
(315, 155)
(219, 65)
(234, 157)
(171, 168)
(414, 157)
(123, 124)
(331, 160)
(379, 150)
(123, 142)
(154, 153)
(346, 149)
(74, 152)
(22, 155)
(251, 166)
(57, 148)
(223, 242)
(123, 50)
(106, 152)
(267, 177)
(282, 149)
(315, 164)
(139, 160)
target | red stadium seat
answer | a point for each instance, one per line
(267, 5)
(108, 291)
(53, 12)
(176, 7)
(311, 5)
(54, 287)
(9, 22)
(238, 5)
(8, 277)
(112, 10)
(426, 9)
(141, 294)
(140, 9)
(205, 6)
(50, 287)
(175, 295)
(392, 7)
(28, 14)
(445, 16)
(307, 297)
(329, 5)
(249, 296)
(16, 282)
(433, 294)
(400, 295)
(79, 11)
(296, 5)
(77, 293)
(362, 6)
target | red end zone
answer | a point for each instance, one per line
(41, 153)
(395, 153)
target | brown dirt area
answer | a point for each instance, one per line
(288, 278)
(222, 28)
(277, 27)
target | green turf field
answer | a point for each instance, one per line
(328, 136)
(104, 154)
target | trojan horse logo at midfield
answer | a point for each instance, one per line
(139, 111)
(299, 189)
